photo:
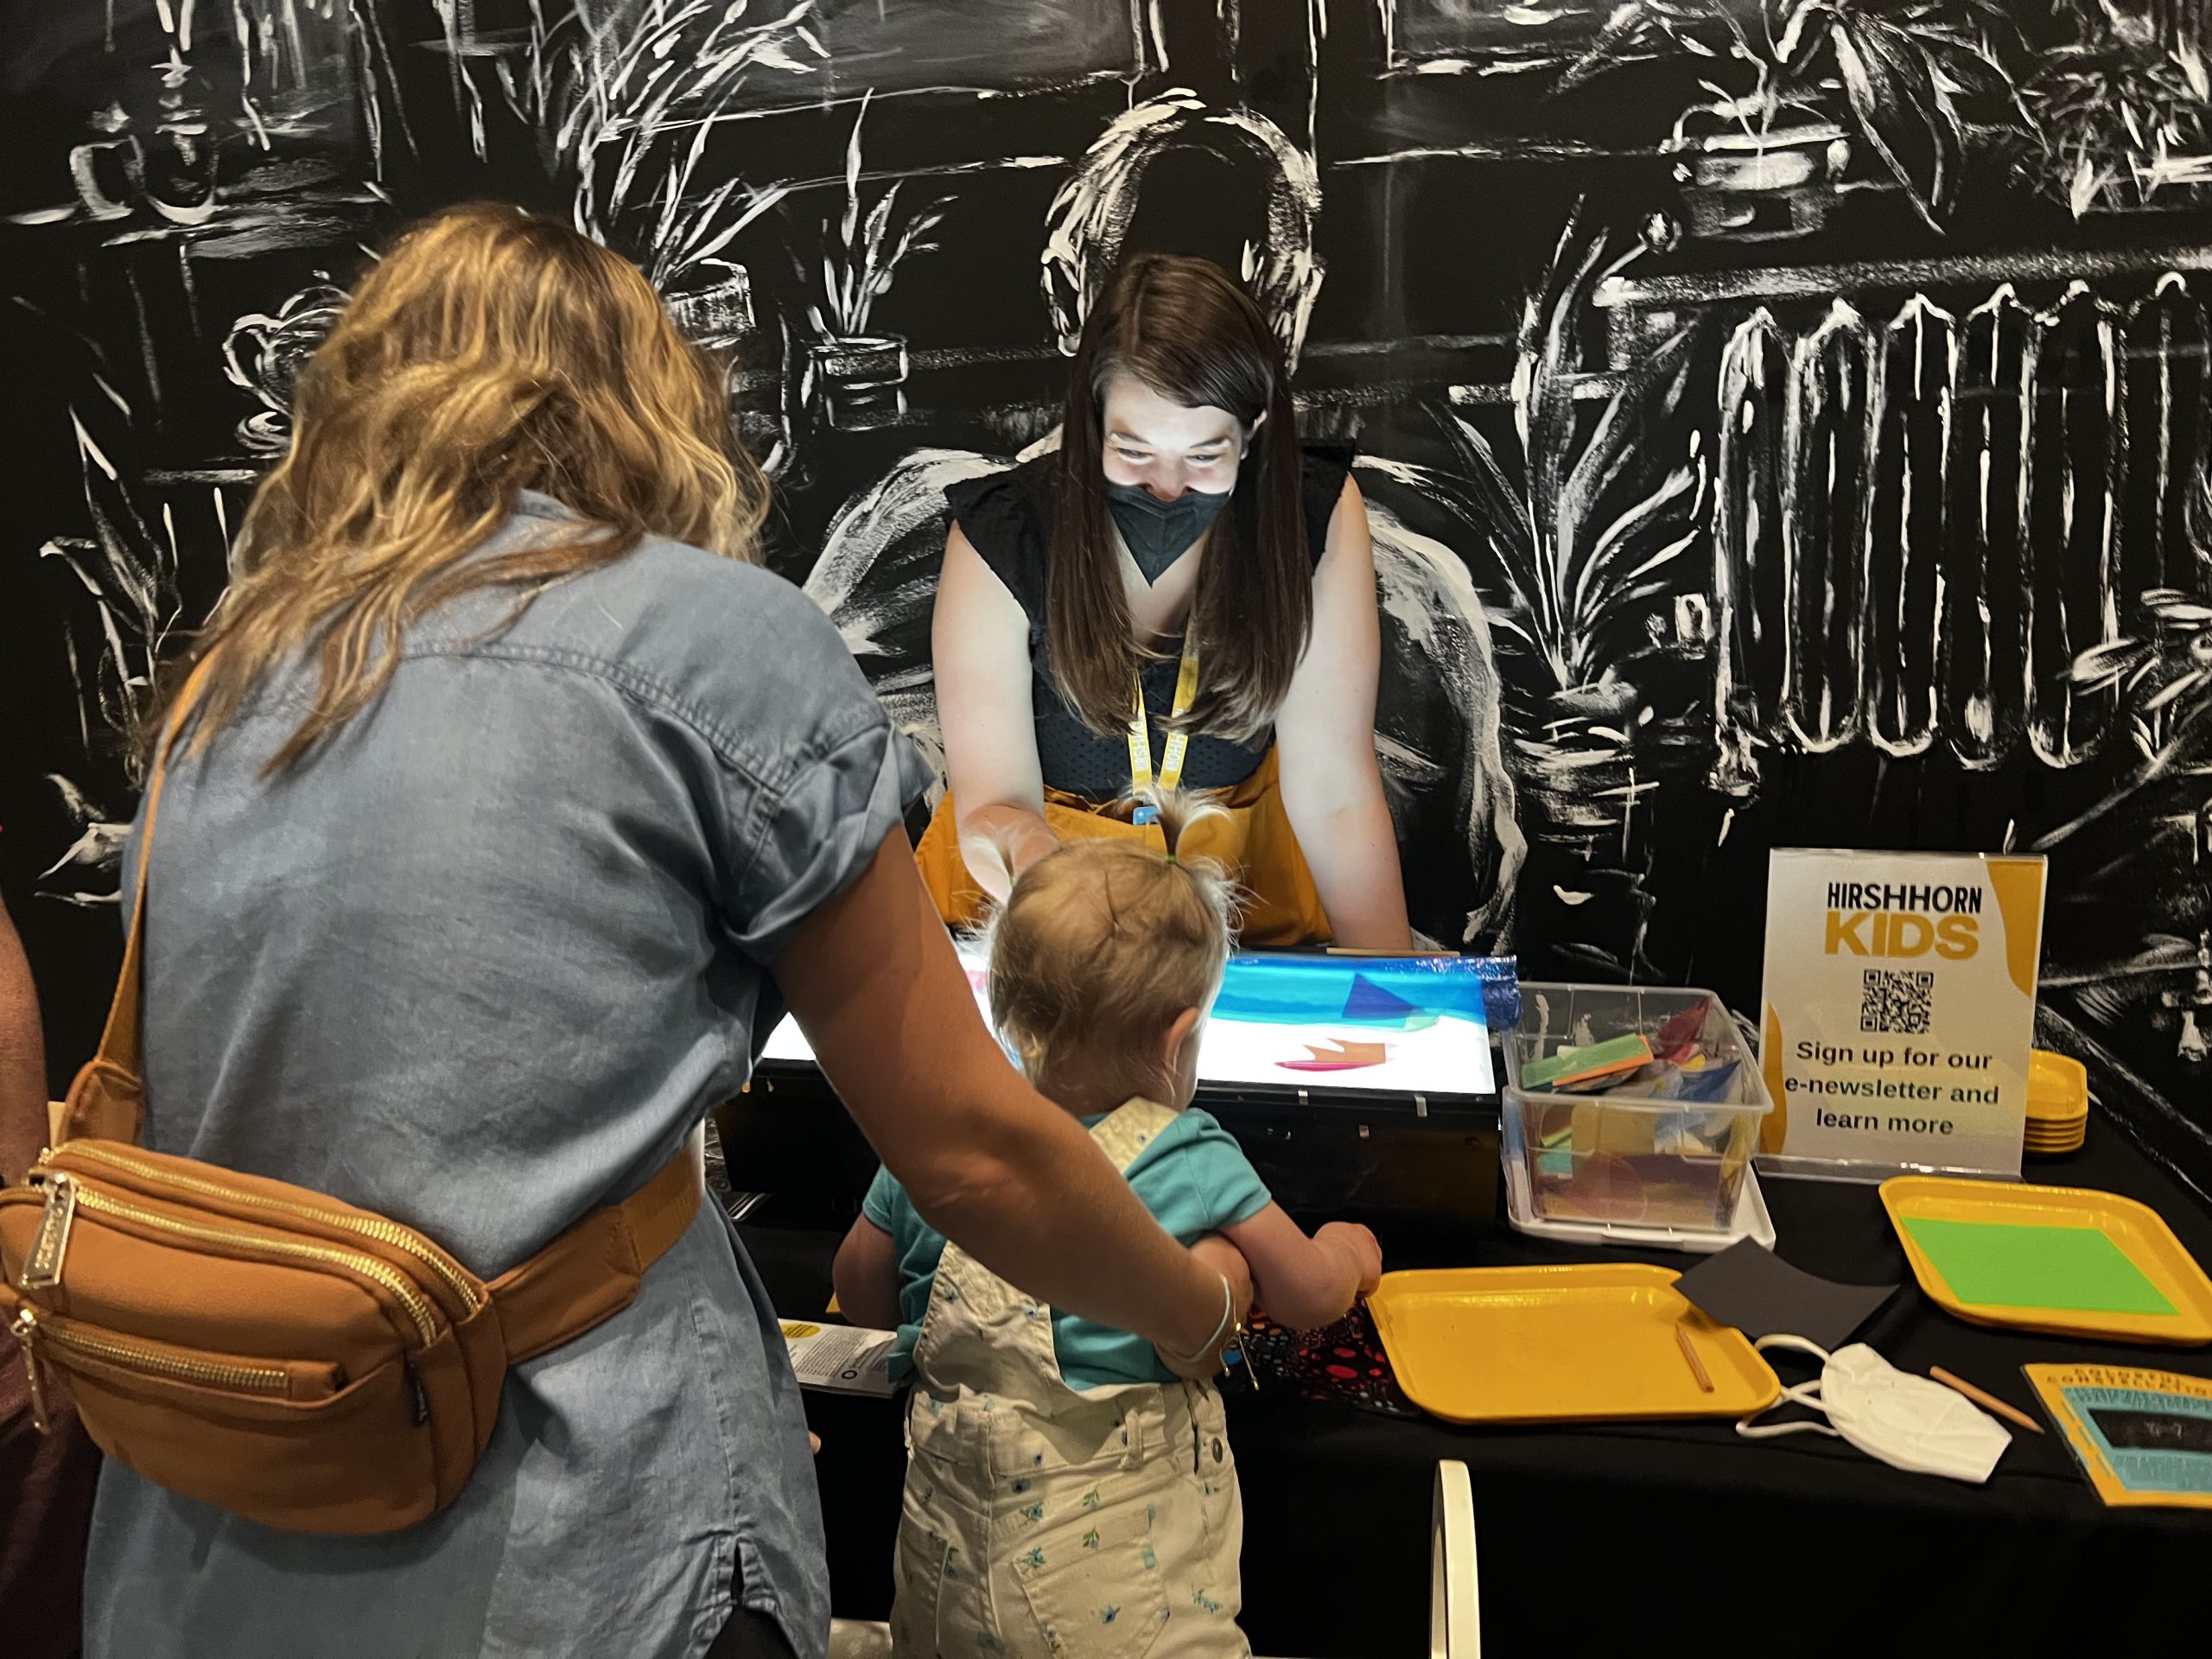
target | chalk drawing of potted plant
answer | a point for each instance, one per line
(169, 166)
(855, 369)
(2115, 124)
(1581, 513)
(709, 296)
(1799, 89)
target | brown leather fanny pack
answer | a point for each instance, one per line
(267, 1348)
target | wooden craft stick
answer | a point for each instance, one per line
(1348, 951)
(1987, 1401)
(1697, 1365)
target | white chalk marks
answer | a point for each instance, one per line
(1921, 526)
(1091, 214)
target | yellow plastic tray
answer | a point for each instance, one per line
(1560, 1344)
(2141, 1232)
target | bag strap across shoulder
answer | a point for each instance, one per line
(107, 1102)
(582, 1277)
(589, 1273)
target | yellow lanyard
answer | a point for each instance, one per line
(1179, 742)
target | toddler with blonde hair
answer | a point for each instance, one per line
(1065, 1494)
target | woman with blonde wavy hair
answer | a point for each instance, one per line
(512, 800)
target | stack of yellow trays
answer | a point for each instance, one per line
(2058, 1105)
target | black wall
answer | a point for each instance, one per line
(1829, 471)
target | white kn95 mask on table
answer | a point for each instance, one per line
(1912, 1423)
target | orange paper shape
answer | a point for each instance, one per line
(1339, 1057)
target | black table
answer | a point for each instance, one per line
(1677, 1537)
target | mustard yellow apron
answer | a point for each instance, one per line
(1253, 841)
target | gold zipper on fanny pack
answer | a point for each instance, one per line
(50, 1244)
(418, 1308)
(24, 1329)
(255, 1379)
(385, 1232)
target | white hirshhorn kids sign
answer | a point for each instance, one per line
(1899, 1015)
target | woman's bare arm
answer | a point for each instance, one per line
(986, 1159)
(979, 648)
(1331, 787)
(22, 1060)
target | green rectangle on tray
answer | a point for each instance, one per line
(2001, 1265)
(1614, 1054)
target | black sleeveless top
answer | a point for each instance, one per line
(1007, 518)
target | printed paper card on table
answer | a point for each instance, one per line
(1899, 1016)
(2141, 1437)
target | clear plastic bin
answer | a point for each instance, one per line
(1654, 1161)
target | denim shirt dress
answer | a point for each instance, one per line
(481, 962)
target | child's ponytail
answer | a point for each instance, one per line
(1178, 812)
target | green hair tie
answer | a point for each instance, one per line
(1171, 858)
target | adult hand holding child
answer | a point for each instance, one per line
(1224, 1258)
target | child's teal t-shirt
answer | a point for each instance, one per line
(1194, 1179)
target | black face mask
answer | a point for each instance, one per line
(1159, 532)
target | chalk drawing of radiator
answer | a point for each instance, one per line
(1925, 515)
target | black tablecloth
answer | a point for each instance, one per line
(1620, 1537)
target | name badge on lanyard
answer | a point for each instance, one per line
(1179, 742)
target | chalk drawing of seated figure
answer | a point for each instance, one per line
(1437, 705)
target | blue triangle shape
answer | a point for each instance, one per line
(1368, 1001)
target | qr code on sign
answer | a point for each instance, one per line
(1897, 1002)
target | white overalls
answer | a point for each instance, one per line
(1039, 1521)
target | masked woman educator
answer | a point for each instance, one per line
(511, 797)
(1181, 596)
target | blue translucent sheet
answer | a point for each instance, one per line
(1349, 990)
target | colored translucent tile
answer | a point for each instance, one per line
(1623, 1053)
(1996, 1264)
(1368, 1001)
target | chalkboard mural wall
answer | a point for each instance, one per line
(1785, 421)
